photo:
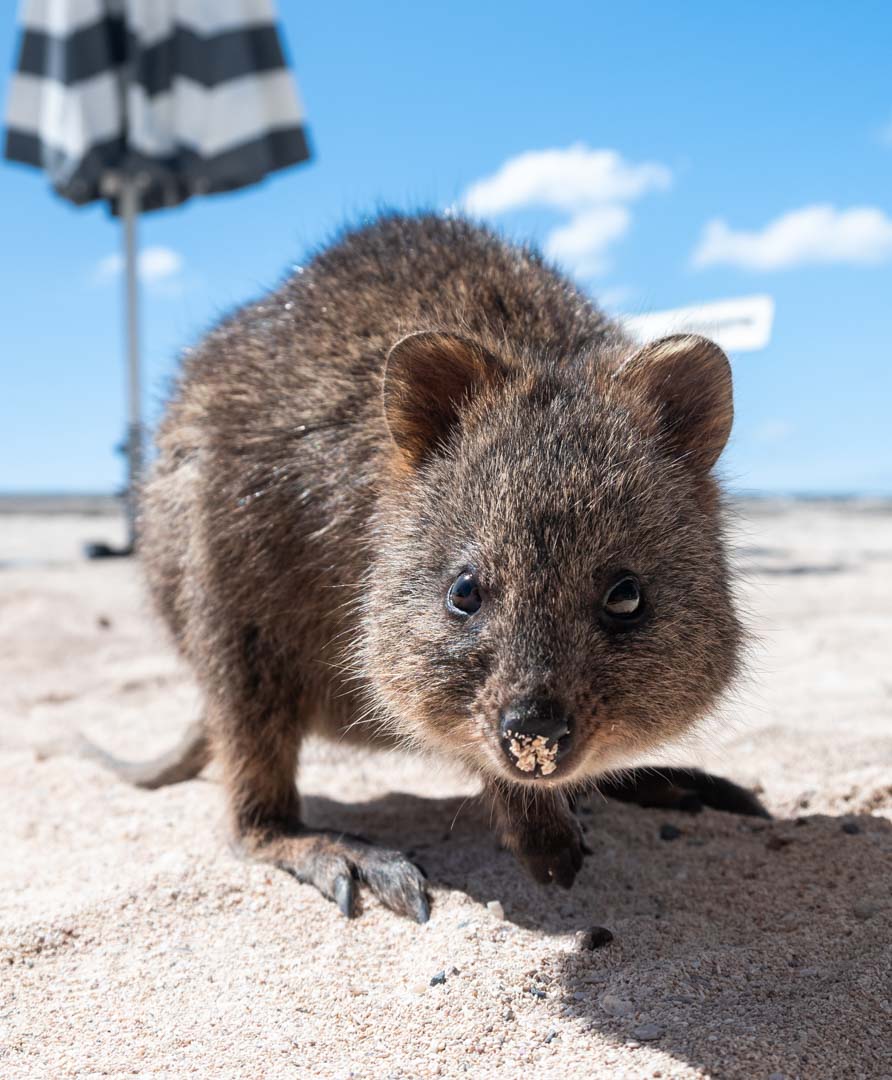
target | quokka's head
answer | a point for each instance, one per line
(549, 594)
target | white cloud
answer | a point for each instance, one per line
(814, 235)
(592, 186)
(159, 263)
(773, 431)
(582, 243)
(109, 267)
(614, 298)
(154, 264)
(564, 180)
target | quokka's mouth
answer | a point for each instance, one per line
(535, 734)
(534, 755)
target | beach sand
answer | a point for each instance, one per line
(132, 942)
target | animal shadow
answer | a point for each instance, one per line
(740, 946)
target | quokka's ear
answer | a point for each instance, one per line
(428, 378)
(687, 378)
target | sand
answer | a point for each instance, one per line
(133, 943)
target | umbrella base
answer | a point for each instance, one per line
(97, 549)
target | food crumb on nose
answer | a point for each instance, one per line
(529, 751)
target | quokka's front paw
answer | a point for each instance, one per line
(549, 845)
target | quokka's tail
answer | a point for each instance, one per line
(182, 762)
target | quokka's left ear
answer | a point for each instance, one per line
(687, 378)
(428, 378)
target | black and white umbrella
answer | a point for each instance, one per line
(144, 103)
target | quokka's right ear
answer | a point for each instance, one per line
(428, 378)
(687, 380)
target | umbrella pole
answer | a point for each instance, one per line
(129, 211)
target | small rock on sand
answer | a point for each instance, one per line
(647, 1032)
(777, 843)
(615, 1005)
(865, 909)
(596, 937)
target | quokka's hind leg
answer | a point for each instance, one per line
(337, 864)
(673, 788)
(259, 759)
(182, 762)
(256, 728)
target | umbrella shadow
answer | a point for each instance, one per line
(729, 940)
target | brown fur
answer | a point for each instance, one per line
(308, 512)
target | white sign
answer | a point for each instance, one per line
(741, 325)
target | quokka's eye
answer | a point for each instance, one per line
(464, 597)
(623, 602)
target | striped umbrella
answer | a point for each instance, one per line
(144, 103)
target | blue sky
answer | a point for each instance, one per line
(721, 151)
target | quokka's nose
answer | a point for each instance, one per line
(535, 717)
(535, 734)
